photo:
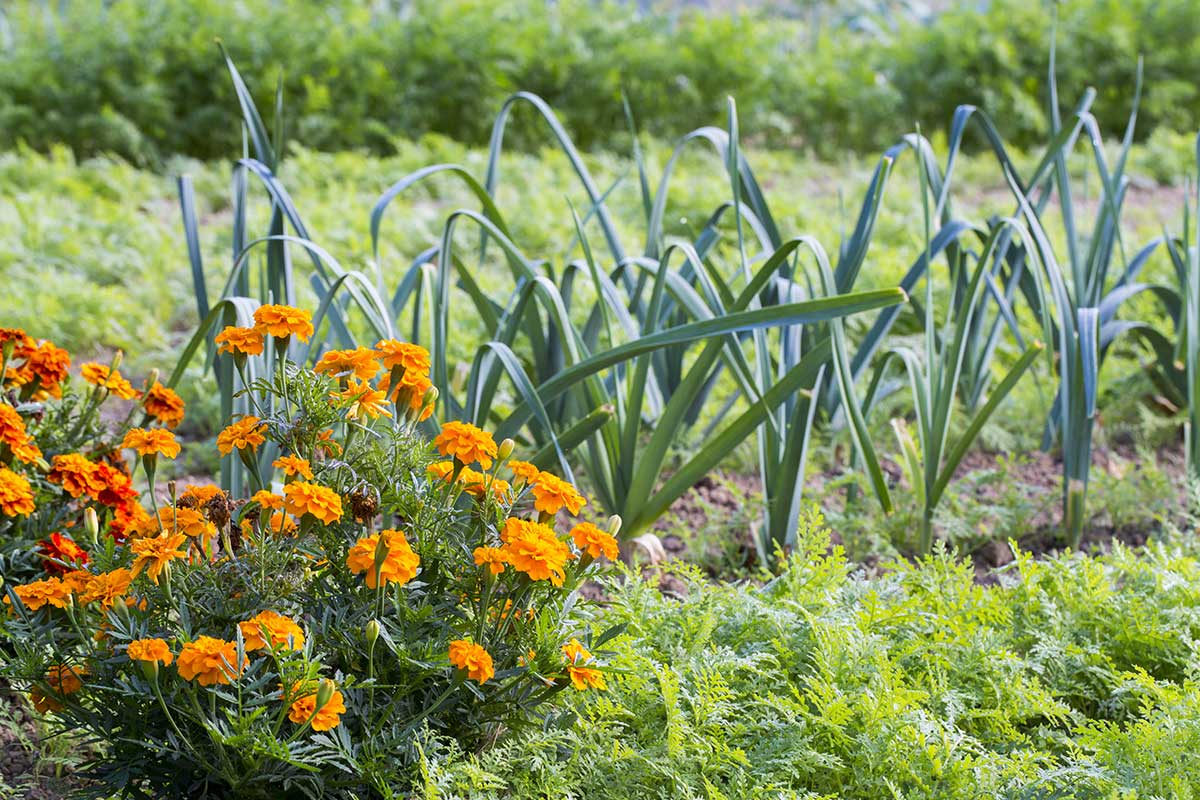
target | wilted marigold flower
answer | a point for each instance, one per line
(77, 475)
(472, 659)
(107, 378)
(363, 401)
(270, 630)
(466, 443)
(151, 651)
(533, 549)
(359, 363)
(595, 541)
(14, 434)
(293, 465)
(582, 677)
(493, 557)
(164, 404)
(283, 321)
(209, 661)
(153, 553)
(246, 433)
(551, 493)
(300, 498)
(399, 564)
(16, 495)
(325, 718)
(240, 341)
(60, 553)
(153, 442)
(106, 587)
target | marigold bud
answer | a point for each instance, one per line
(116, 362)
(505, 449)
(372, 632)
(91, 523)
(150, 669)
(325, 693)
(614, 524)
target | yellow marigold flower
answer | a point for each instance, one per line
(551, 493)
(281, 524)
(106, 587)
(198, 496)
(283, 321)
(270, 630)
(153, 553)
(14, 434)
(151, 651)
(472, 659)
(594, 541)
(524, 471)
(77, 475)
(533, 549)
(466, 443)
(36, 594)
(399, 565)
(441, 471)
(293, 465)
(363, 401)
(240, 341)
(359, 363)
(493, 557)
(16, 495)
(210, 661)
(188, 521)
(267, 499)
(300, 498)
(153, 442)
(246, 433)
(164, 404)
(412, 357)
(582, 677)
(325, 718)
(110, 379)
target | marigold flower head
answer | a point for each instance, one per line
(76, 581)
(36, 594)
(533, 549)
(472, 659)
(300, 498)
(152, 442)
(246, 433)
(107, 587)
(66, 679)
(116, 486)
(154, 553)
(164, 404)
(582, 677)
(283, 321)
(105, 377)
(16, 495)
(466, 443)
(188, 521)
(363, 400)
(210, 661)
(17, 339)
(594, 541)
(267, 499)
(409, 391)
(14, 434)
(152, 651)
(492, 557)
(551, 493)
(327, 445)
(359, 363)
(399, 564)
(240, 341)
(412, 357)
(476, 483)
(196, 496)
(293, 465)
(325, 718)
(128, 518)
(270, 630)
(524, 471)
(281, 524)
(77, 475)
(60, 554)
(49, 365)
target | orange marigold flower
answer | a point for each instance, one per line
(412, 357)
(16, 495)
(64, 679)
(164, 404)
(151, 651)
(49, 365)
(533, 549)
(244, 341)
(551, 493)
(188, 521)
(14, 434)
(76, 581)
(441, 471)
(281, 524)
(20, 341)
(76, 473)
(359, 363)
(128, 518)
(582, 677)
(399, 564)
(409, 391)
(476, 483)
(246, 433)
(36, 594)
(472, 659)
(60, 554)
(327, 445)
(300, 498)
(270, 630)
(293, 465)
(210, 661)
(594, 541)
(283, 321)
(493, 557)
(325, 718)
(466, 444)
(524, 471)
(267, 499)
(107, 587)
(116, 486)
(199, 495)
(154, 553)
(363, 401)
(153, 442)
(107, 378)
